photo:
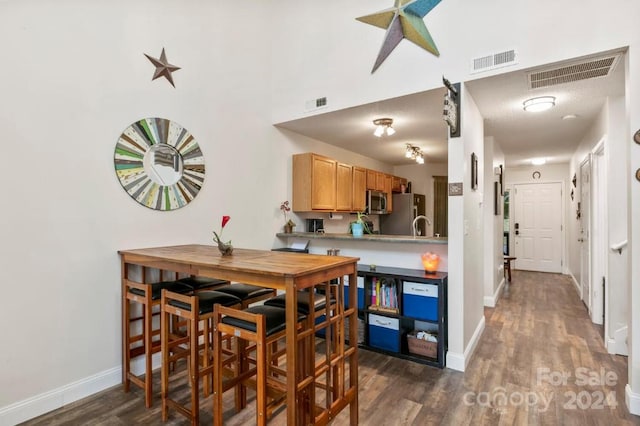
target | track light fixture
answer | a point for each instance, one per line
(383, 125)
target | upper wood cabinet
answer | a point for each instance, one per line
(397, 184)
(375, 180)
(314, 182)
(388, 183)
(359, 189)
(323, 184)
(344, 187)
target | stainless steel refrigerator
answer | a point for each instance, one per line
(405, 208)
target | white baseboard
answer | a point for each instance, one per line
(576, 285)
(457, 361)
(490, 301)
(633, 400)
(40, 404)
(611, 346)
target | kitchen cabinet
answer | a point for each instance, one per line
(388, 183)
(397, 303)
(397, 184)
(314, 183)
(375, 180)
(323, 184)
(344, 187)
(359, 192)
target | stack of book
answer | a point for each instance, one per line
(384, 295)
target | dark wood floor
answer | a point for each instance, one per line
(540, 362)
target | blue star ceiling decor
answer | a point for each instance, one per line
(403, 20)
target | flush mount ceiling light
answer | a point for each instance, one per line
(538, 161)
(541, 103)
(414, 153)
(383, 125)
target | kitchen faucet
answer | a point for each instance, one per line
(415, 222)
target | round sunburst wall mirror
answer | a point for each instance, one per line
(159, 163)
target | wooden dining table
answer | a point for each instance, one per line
(289, 272)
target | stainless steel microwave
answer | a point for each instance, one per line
(376, 202)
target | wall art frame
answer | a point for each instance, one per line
(474, 171)
(159, 164)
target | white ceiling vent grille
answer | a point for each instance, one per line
(584, 70)
(493, 61)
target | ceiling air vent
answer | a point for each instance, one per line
(493, 61)
(314, 104)
(583, 70)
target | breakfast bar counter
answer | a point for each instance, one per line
(383, 238)
(289, 272)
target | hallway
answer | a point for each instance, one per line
(540, 362)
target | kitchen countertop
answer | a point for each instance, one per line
(367, 237)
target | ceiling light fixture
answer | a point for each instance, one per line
(383, 125)
(541, 103)
(414, 153)
(538, 161)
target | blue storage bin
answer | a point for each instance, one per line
(420, 301)
(322, 331)
(384, 333)
(360, 293)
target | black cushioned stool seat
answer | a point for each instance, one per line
(156, 289)
(319, 301)
(206, 300)
(275, 319)
(245, 291)
(199, 283)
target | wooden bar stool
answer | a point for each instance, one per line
(322, 320)
(261, 326)
(194, 309)
(507, 266)
(143, 344)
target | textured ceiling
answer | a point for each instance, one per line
(521, 135)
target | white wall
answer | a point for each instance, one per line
(493, 264)
(632, 104)
(465, 279)
(609, 127)
(77, 78)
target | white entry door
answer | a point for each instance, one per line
(585, 221)
(538, 226)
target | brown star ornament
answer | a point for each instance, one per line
(163, 67)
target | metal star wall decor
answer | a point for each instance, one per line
(403, 20)
(163, 67)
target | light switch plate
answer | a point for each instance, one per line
(455, 188)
